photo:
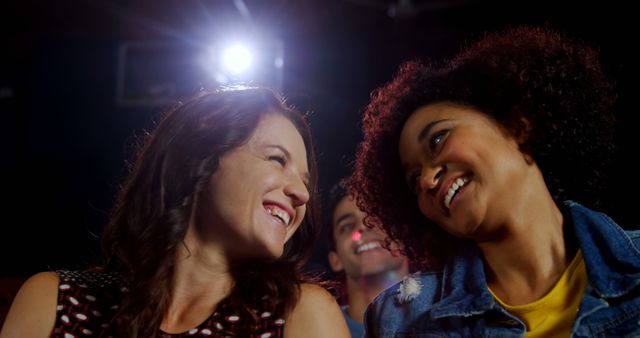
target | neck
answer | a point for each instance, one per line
(201, 280)
(537, 256)
(361, 291)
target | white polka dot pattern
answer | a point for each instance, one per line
(88, 300)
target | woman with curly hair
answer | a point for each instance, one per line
(473, 167)
(207, 238)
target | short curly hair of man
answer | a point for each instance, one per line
(535, 74)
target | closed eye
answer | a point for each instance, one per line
(346, 227)
(278, 158)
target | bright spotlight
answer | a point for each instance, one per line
(237, 59)
(256, 61)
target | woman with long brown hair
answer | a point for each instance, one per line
(207, 238)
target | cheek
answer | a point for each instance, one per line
(343, 247)
(292, 230)
(300, 212)
(457, 150)
(427, 208)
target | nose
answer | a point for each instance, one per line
(356, 235)
(430, 176)
(297, 191)
(360, 229)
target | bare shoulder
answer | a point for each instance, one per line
(316, 293)
(316, 315)
(33, 312)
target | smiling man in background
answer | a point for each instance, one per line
(360, 253)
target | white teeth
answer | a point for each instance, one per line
(279, 213)
(367, 246)
(457, 184)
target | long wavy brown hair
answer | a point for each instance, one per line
(554, 82)
(150, 218)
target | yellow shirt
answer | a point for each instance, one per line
(553, 314)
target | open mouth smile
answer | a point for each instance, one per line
(279, 213)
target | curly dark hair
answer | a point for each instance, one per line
(150, 218)
(553, 82)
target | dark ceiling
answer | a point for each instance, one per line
(68, 138)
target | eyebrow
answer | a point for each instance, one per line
(306, 177)
(425, 131)
(343, 217)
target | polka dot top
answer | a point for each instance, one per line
(88, 300)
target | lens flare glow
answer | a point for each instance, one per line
(237, 59)
(356, 236)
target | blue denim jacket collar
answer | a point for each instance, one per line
(463, 280)
(612, 261)
(611, 270)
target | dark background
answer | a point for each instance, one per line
(66, 138)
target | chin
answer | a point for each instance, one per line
(276, 255)
(264, 252)
(374, 271)
(272, 253)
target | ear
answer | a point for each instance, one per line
(522, 135)
(524, 130)
(335, 262)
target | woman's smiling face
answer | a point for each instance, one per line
(464, 168)
(257, 197)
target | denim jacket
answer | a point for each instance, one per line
(455, 301)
